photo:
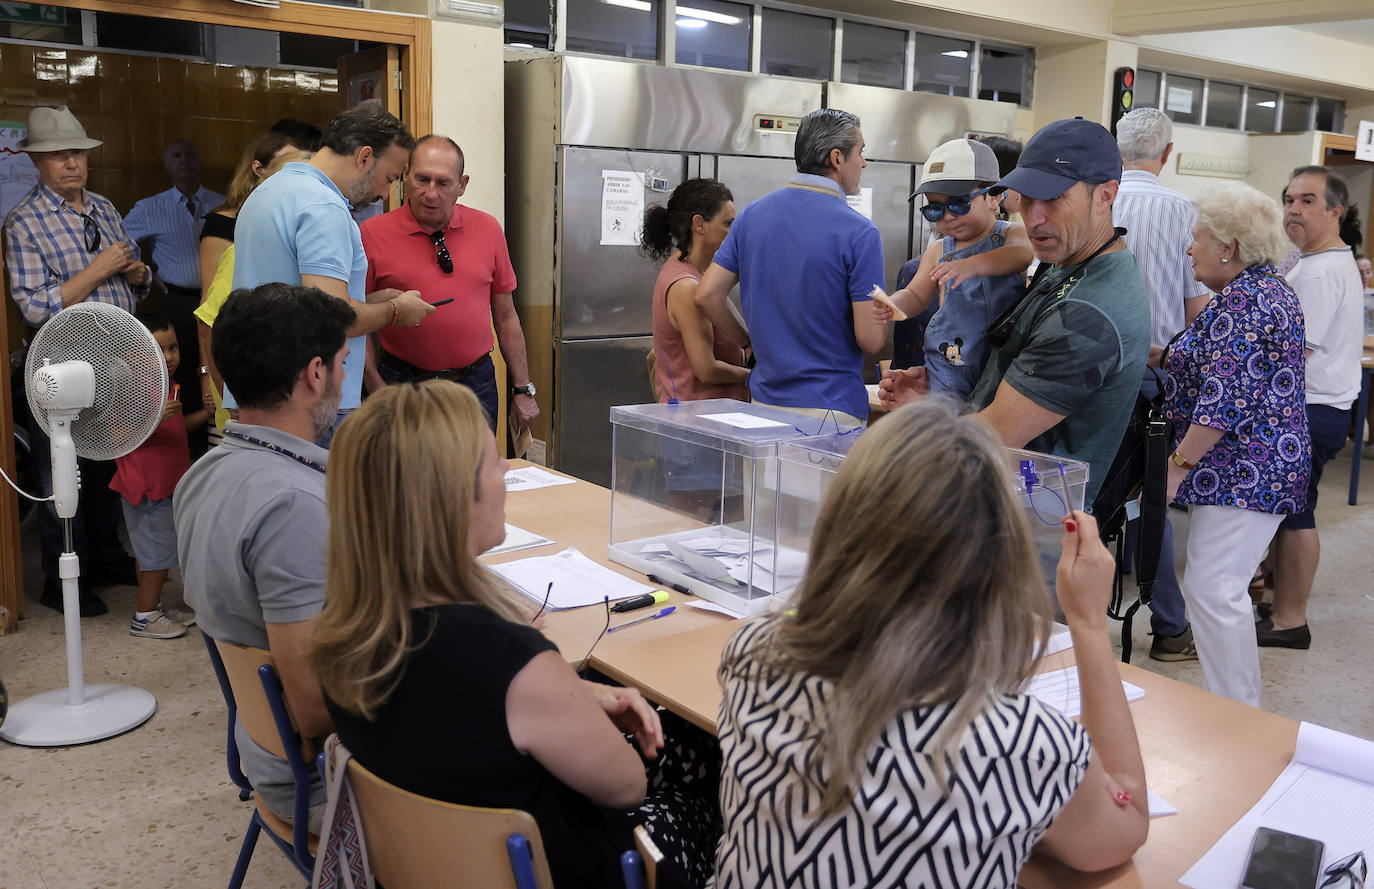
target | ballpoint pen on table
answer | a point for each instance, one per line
(663, 612)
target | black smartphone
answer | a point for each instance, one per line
(1281, 860)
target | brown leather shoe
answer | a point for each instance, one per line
(1293, 637)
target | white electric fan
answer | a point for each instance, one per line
(96, 383)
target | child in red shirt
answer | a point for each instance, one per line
(145, 479)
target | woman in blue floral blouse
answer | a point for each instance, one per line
(1235, 393)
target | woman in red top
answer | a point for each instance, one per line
(695, 361)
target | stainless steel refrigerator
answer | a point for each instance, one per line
(585, 305)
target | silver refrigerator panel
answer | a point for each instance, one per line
(608, 102)
(605, 290)
(593, 375)
(892, 183)
(907, 126)
(750, 178)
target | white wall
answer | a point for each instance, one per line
(1202, 140)
(469, 106)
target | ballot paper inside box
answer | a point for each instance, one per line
(698, 499)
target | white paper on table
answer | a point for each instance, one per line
(703, 605)
(1060, 640)
(517, 539)
(1159, 806)
(527, 478)
(622, 208)
(1325, 793)
(741, 420)
(577, 580)
(1059, 689)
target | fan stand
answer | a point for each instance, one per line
(79, 713)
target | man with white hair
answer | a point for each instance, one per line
(1159, 224)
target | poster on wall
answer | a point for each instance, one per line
(17, 172)
(1179, 100)
(622, 208)
(862, 202)
(364, 87)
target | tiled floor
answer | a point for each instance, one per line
(154, 808)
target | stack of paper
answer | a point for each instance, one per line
(1060, 690)
(527, 478)
(576, 579)
(516, 539)
(1326, 793)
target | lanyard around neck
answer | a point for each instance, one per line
(285, 452)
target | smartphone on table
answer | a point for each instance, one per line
(1281, 860)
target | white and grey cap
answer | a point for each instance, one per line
(959, 166)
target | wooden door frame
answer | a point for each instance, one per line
(1345, 146)
(412, 33)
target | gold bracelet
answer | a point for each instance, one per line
(1182, 462)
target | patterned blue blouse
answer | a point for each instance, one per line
(1239, 367)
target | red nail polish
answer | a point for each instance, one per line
(1070, 526)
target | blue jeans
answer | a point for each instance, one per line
(480, 377)
(1167, 614)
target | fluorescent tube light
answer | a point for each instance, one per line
(1270, 104)
(953, 53)
(707, 15)
(638, 5)
(691, 24)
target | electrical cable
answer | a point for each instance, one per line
(22, 492)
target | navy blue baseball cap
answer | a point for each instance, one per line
(1062, 153)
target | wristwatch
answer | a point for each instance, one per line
(527, 389)
(1182, 461)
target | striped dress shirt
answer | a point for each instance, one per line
(45, 246)
(1159, 227)
(175, 231)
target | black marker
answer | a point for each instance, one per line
(672, 586)
(657, 597)
(442, 302)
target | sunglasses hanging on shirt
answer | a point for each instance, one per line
(934, 211)
(92, 232)
(441, 252)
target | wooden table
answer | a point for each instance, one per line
(1210, 757)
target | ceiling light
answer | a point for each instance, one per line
(952, 53)
(1270, 104)
(638, 5)
(706, 15)
(521, 45)
(691, 24)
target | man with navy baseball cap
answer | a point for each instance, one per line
(1064, 362)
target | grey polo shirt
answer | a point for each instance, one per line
(251, 529)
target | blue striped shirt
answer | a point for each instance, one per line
(175, 232)
(1159, 224)
(45, 246)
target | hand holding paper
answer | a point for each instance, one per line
(882, 299)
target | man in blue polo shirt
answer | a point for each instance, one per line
(803, 258)
(297, 228)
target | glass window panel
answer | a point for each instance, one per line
(624, 28)
(1146, 89)
(714, 33)
(162, 36)
(1297, 114)
(1223, 105)
(1330, 115)
(1183, 98)
(1006, 74)
(528, 23)
(943, 65)
(1261, 108)
(874, 56)
(314, 51)
(797, 45)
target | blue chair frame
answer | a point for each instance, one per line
(297, 850)
(632, 869)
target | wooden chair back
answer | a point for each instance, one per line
(414, 842)
(241, 664)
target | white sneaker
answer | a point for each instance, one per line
(158, 626)
(184, 616)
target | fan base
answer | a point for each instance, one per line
(48, 720)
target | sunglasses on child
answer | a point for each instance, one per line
(934, 211)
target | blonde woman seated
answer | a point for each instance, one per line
(434, 677)
(876, 735)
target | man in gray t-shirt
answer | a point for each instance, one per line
(250, 515)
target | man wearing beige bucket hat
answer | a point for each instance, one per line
(65, 245)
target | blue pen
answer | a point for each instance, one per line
(663, 612)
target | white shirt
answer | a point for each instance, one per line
(1332, 295)
(1159, 227)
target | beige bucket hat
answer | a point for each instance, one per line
(55, 129)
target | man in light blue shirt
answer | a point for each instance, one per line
(806, 263)
(297, 228)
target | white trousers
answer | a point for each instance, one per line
(1225, 545)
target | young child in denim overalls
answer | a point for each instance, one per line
(977, 270)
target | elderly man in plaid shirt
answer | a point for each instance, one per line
(65, 245)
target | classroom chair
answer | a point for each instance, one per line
(253, 692)
(414, 842)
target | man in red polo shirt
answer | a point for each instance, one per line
(447, 251)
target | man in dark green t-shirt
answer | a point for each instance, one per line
(1065, 377)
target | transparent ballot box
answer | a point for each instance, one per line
(1045, 486)
(697, 498)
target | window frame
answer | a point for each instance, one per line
(1312, 97)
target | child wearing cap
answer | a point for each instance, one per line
(145, 479)
(977, 268)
